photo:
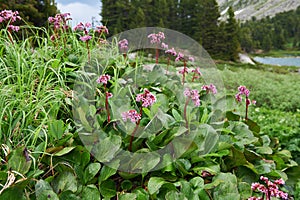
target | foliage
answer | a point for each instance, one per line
(43, 154)
(272, 33)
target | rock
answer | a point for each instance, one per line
(244, 58)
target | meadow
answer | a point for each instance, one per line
(58, 85)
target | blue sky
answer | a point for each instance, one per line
(81, 10)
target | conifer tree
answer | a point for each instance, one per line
(231, 37)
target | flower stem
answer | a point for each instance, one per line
(134, 130)
(89, 54)
(247, 105)
(107, 107)
(156, 55)
(185, 114)
(184, 70)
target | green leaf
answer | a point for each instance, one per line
(68, 195)
(90, 192)
(56, 129)
(64, 182)
(90, 171)
(128, 196)
(227, 190)
(108, 188)
(18, 161)
(64, 151)
(106, 149)
(173, 195)
(126, 185)
(155, 184)
(41, 186)
(106, 172)
(176, 115)
(244, 190)
(141, 194)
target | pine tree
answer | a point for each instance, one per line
(208, 25)
(231, 37)
(137, 18)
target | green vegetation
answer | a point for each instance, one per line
(212, 153)
(280, 32)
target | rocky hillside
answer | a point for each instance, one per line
(245, 9)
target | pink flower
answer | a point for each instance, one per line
(132, 115)
(9, 16)
(164, 46)
(13, 28)
(101, 29)
(147, 98)
(85, 38)
(183, 70)
(171, 52)
(244, 90)
(279, 182)
(192, 59)
(197, 71)
(238, 97)
(79, 26)
(210, 88)
(179, 57)
(109, 95)
(103, 79)
(194, 95)
(123, 44)
(156, 38)
(60, 21)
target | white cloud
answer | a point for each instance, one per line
(80, 12)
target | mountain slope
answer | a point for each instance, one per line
(246, 9)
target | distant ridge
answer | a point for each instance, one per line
(246, 9)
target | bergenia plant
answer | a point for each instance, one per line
(190, 95)
(103, 79)
(60, 24)
(268, 189)
(171, 52)
(86, 37)
(9, 17)
(211, 88)
(146, 99)
(243, 91)
(180, 57)
(123, 45)
(101, 30)
(156, 39)
(197, 74)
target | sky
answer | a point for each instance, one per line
(81, 10)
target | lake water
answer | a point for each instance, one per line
(285, 61)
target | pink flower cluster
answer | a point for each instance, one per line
(147, 98)
(171, 52)
(179, 57)
(123, 44)
(164, 45)
(270, 189)
(210, 88)
(101, 29)
(132, 115)
(243, 91)
(10, 17)
(197, 71)
(103, 79)
(183, 70)
(60, 21)
(194, 95)
(84, 28)
(156, 38)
